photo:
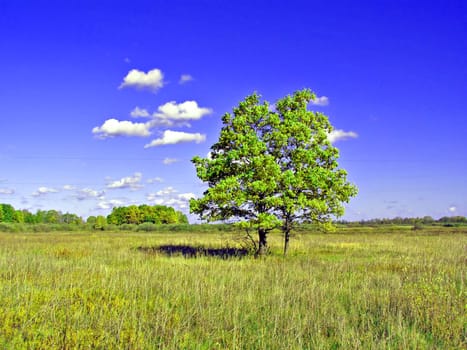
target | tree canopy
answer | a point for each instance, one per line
(156, 214)
(273, 166)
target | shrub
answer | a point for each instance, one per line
(8, 227)
(147, 227)
(127, 227)
(41, 228)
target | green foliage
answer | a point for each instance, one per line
(72, 219)
(409, 221)
(29, 218)
(453, 219)
(147, 227)
(132, 215)
(52, 217)
(273, 168)
(8, 227)
(19, 216)
(156, 214)
(100, 223)
(181, 218)
(127, 227)
(8, 213)
(91, 220)
(41, 228)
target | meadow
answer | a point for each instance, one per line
(357, 288)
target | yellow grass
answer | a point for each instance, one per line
(353, 289)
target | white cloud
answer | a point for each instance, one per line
(173, 137)
(168, 114)
(169, 196)
(155, 180)
(152, 80)
(109, 204)
(87, 193)
(165, 192)
(185, 78)
(320, 101)
(140, 113)
(174, 202)
(113, 127)
(340, 135)
(452, 209)
(188, 110)
(69, 187)
(132, 182)
(7, 191)
(186, 196)
(168, 161)
(41, 191)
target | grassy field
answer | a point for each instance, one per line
(354, 289)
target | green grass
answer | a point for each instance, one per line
(354, 289)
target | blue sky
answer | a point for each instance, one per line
(104, 103)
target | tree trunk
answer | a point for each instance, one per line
(263, 244)
(286, 241)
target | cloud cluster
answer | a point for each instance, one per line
(109, 204)
(102, 201)
(320, 101)
(169, 114)
(113, 127)
(7, 191)
(88, 193)
(42, 191)
(79, 194)
(172, 113)
(170, 197)
(131, 182)
(140, 113)
(340, 135)
(170, 137)
(155, 180)
(188, 110)
(152, 80)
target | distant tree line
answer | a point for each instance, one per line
(157, 214)
(149, 218)
(426, 220)
(9, 214)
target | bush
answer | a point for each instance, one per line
(178, 227)
(41, 228)
(127, 227)
(8, 227)
(147, 227)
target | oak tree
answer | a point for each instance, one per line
(273, 167)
